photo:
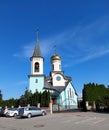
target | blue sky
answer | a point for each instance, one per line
(79, 29)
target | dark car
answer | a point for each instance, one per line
(2, 111)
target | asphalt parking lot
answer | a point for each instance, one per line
(58, 121)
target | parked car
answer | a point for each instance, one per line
(2, 111)
(12, 112)
(6, 111)
(30, 111)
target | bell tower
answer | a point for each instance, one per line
(36, 77)
(56, 72)
(56, 61)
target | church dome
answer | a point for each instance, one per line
(55, 57)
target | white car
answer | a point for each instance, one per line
(12, 112)
(6, 111)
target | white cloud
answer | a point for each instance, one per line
(89, 42)
(95, 54)
(22, 83)
(77, 44)
(28, 50)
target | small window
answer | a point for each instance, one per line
(58, 78)
(38, 108)
(31, 108)
(36, 80)
(36, 67)
(60, 67)
(70, 93)
(52, 67)
(26, 109)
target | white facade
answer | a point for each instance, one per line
(39, 62)
(56, 65)
(58, 80)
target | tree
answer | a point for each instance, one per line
(95, 93)
(0, 95)
(28, 98)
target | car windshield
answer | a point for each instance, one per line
(9, 108)
(13, 109)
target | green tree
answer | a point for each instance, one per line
(94, 92)
(27, 98)
(1, 95)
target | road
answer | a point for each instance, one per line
(58, 121)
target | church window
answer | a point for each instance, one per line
(60, 67)
(58, 78)
(36, 67)
(70, 93)
(36, 80)
(52, 67)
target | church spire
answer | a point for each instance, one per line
(37, 35)
(37, 51)
(54, 49)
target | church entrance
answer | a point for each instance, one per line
(54, 100)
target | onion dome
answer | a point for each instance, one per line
(55, 57)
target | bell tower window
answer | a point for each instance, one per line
(60, 67)
(36, 67)
(52, 67)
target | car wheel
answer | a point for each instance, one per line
(6, 114)
(43, 113)
(29, 115)
(15, 114)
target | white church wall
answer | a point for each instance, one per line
(57, 81)
(56, 64)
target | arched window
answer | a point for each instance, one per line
(60, 67)
(36, 67)
(53, 67)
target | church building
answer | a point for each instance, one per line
(62, 91)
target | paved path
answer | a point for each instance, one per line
(58, 121)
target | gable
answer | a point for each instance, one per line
(69, 91)
(58, 80)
